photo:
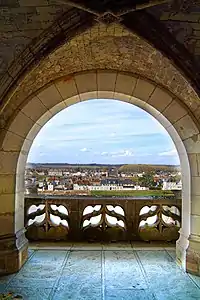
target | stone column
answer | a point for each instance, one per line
(13, 244)
(193, 250)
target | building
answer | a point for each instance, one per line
(55, 173)
(169, 185)
(108, 187)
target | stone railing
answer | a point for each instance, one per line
(102, 219)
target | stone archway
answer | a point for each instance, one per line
(36, 110)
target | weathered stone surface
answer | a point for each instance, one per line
(13, 252)
(107, 47)
(87, 272)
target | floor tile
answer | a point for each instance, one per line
(122, 271)
(2, 288)
(195, 279)
(154, 257)
(4, 280)
(117, 246)
(82, 269)
(178, 292)
(86, 273)
(77, 294)
(48, 257)
(20, 282)
(51, 245)
(123, 294)
(87, 246)
(152, 246)
(172, 253)
(83, 280)
(31, 293)
(165, 279)
(82, 261)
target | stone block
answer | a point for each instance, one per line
(7, 202)
(50, 96)
(174, 111)
(195, 202)
(67, 87)
(8, 162)
(122, 97)
(21, 124)
(186, 127)
(12, 141)
(13, 252)
(40, 122)
(192, 144)
(88, 96)
(86, 82)
(143, 89)
(34, 109)
(105, 95)
(194, 160)
(195, 185)
(7, 222)
(125, 84)
(159, 99)
(195, 225)
(72, 100)
(193, 257)
(7, 184)
(106, 81)
(57, 108)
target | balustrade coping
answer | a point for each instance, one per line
(84, 197)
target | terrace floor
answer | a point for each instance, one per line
(101, 272)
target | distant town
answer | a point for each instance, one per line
(100, 180)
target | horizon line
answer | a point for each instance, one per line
(58, 163)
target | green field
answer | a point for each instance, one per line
(132, 193)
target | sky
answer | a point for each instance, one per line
(103, 131)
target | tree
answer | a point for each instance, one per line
(147, 180)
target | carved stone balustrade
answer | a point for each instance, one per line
(102, 219)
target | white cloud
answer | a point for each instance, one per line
(126, 153)
(122, 153)
(84, 150)
(172, 152)
(113, 134)
(104, 153)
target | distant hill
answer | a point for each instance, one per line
(67, 165)
(121, 168)
(148, 168)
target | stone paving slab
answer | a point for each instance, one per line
(122, 271)
(31, 293)
(126, 294)
(102, 272)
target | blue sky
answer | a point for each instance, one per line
(103, 131)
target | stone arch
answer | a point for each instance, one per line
(106, 47)
(37, 109)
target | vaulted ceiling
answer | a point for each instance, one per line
(32, 29)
